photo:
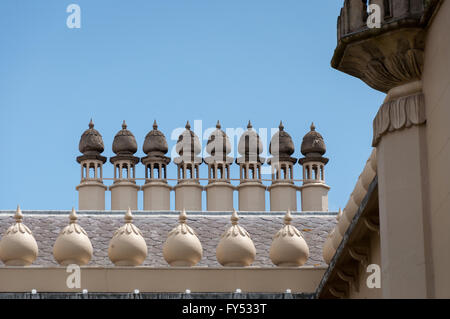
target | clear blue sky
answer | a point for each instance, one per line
(173, 61)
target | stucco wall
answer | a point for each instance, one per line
(436, 87)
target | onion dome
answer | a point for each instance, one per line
(250, 143)
(235, 248)
(155, 142)
(182, 246)
(72, 245)
(127, 247)
(188, 147)
(218, 142)
(124, 142)
(289, 249)
(91, 142)
(313, 144)
(18, 246)
(218, 146)
(281, 146)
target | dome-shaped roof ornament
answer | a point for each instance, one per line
(281, 146)
(313, 144)
(127, 247)
(218, 146)
(72, 245)
(91, 144)
(182, 246)
(188, 146)
(155, 143)
(18, 246)
(250, 146)
(289, 249)
(235, 248)
(124, 142)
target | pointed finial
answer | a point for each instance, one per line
(313, 127)
(18, 215)
(234, 218)
(249, 125)
(188, 126)
(128, 216)
(155, 126)
(281, 126)
(288, 217)
(73, 216)
(218, 126)
(124, 125)
(91, 123)
(182, 218)
(339, 215)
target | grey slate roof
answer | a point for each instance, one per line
(155, 226)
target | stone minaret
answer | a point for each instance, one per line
(283, 192)
(124, 190)
(156, 190)
(219, 191)
(252, 193)
(91, 191)
(314, 190)
(188, 191)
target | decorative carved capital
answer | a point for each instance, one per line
(401, 113)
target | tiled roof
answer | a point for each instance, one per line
(100, 227)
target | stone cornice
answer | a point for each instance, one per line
(388, 56)
(401, 113)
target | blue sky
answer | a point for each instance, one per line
(172, 61)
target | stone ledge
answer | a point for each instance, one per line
(163, 280)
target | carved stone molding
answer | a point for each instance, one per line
(387, 56)
(360, 254)
(385, 61)
(401, 113)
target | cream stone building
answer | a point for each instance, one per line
(390, 240)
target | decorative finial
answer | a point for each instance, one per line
(124, 125)
(313, 127)
(182, 218)
(91, 124)
(234, 218)
(218, 126)
(188, 126)
(339, 215)
(73, 216)
(288, 217)
(128, 216)
(18, 215)
(281, 126)
(155, 126)
(249, 125)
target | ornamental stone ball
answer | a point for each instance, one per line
(127, 247)
(289, 249)
(18, 246)
(72, 245)
(235, 248)
(182, 247)
(91, 142)
(124, 142)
